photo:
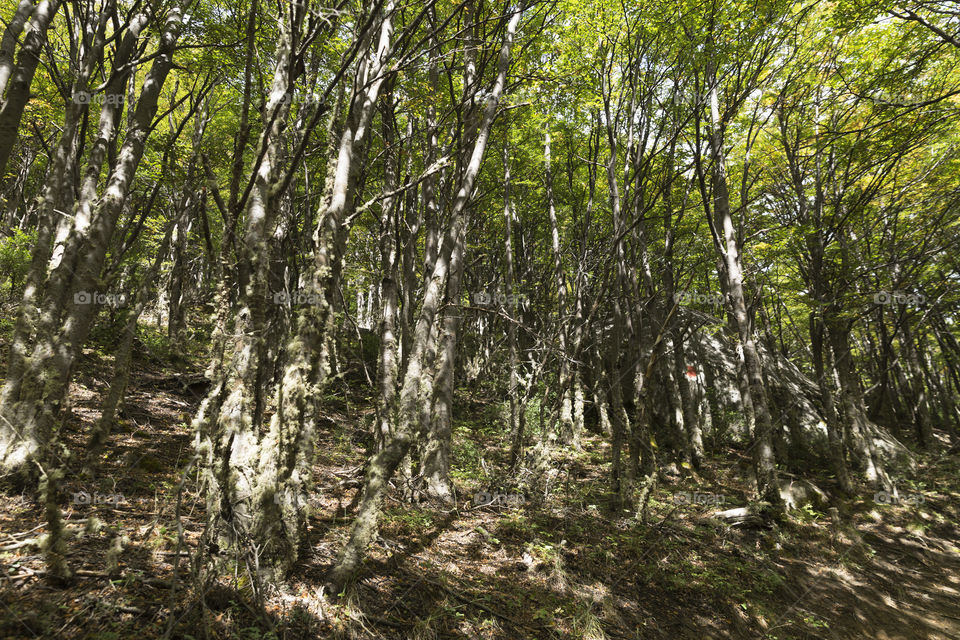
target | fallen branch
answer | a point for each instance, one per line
(14, 536)
(19, 545)
(740, 517)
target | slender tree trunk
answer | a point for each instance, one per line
(851, 395)
(764, 461)
(568, 434)
(8, 45)
(175, 290)
(622, 483)
(514, 380)
(387, 370)
(21, 77)
(834, 430)
(384, 463)
(74, 269)
(435, 466)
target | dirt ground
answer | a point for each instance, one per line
(559, 567)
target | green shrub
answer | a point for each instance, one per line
(15, 255)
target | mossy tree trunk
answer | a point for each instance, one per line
(36, 386)
(383, 465)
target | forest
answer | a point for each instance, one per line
(546, 319)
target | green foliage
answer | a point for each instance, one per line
(466, 452)
(15, 253)
(408, 521)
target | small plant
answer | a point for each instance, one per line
(15, 254)
(517, 525)
(410, 522)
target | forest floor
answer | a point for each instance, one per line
(560, 567)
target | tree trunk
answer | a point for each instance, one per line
(240, 505)
(8, 45)
(764, 462)
(851, 396)
(835, 440)
(568, 434)
(435, 466)
(387, 368)
(21, 77)
(75, 267)
(382, 466)
(514, 379)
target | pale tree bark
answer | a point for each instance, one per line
(175, 283)
(382, 466)
(110, 204)
(42, 392)
(764, 461)
(432, 209)
(861, 430)
(32, 401)
(287, 451)
(435, 466)
(53, 203)
(75, 233)
(389, 259)
(8, 45)
(440, 363)
(568, 433)
(228, 424)
(428, 220)
(614, 373)
(21, 75)
(513, 385)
